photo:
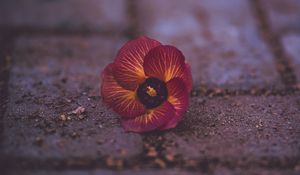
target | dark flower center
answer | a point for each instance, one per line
(152, 92)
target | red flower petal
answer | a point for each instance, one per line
(123, 101)
(152, 120)
(128, 70)
(179, 98)
(165, 63)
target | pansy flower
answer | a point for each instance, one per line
(148, 85)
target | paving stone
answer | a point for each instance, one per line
(93, 14)
(284, 16)
(246, 130)
(51, 77)
(291, 44)
(109, 172)
(154, 172)
(47, 82)
(221, 43)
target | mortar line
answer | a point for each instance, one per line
(133, 29)
(272, 40)
(202, 164)
(6, 47)
(224, 92)
(36, 31)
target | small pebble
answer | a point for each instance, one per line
(119, 164)
(81, 117)
(63, 117)
(38, 141)
(160, 163)
(100, 141)
(200, 100)
(191, 164)
(78, 110)
(123, 152)
(109, 162)
(169, 157)
(74, 135)
(152, 152)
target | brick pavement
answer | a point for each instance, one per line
(244, 108)
(284, 21)
(283, 17)
(291, 44)
(96, 15)
(223, 47)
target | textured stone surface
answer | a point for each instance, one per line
(248, 128)
(50, 71)
(291, 43)
(93, 14)
(42, 90)
(284, 16)
(156, 172)
(223, 47)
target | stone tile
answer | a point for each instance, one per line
(46, 82)
(51, 77)
(291, 44)
(104, 15)
(240, 131)
(223, 47)
(111, 172)
(156, 172)
(284, 16)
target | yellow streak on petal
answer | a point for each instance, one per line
(175, 102)
(146, 118)
(135, 68)
(171, 72)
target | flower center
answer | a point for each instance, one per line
(152, 92)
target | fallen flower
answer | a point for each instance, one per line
(148, 85)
